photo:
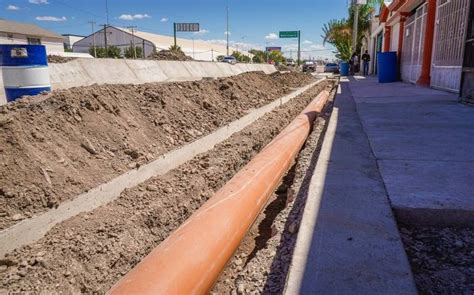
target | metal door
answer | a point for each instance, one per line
(451, 22)
(412, 55)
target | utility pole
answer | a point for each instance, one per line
(355, 26)
(93, 38)
(105, 41)
(227, 31)
(107, 11)
(174, 30)
(243, 45)
(132, 28)
(299, 47)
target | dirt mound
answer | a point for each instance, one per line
(170, 55)
(56, 59)
(56, 146)
(292, 79)
(90, 252)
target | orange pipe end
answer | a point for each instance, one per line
(191, 259)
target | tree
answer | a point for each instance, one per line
(259, 56)
(339, 32)
(112, 52)
(276, 56)
(128, 52)
(176, 49)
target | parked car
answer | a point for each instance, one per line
(229, 59)
(331, 68)
(290, 62)
(309, 66)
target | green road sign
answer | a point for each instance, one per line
(289, 34)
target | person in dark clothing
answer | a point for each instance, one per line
(366, 60)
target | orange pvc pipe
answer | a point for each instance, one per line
(190, 260)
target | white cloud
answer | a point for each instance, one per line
(13, 7)
(307, 42)
(38, 1)
(318, 47)
(271, 36)
(133, 17)
(51, 18)
(164, 19)
(201, 32)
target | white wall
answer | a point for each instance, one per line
(82, 72)
(52, 45)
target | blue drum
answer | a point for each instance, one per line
(24, 70)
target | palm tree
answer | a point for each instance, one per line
(339, 32)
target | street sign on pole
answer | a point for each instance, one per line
(289, 34)
(184, 27)
(187, 27)
(293, 34)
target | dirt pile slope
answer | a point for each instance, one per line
(56, 59)
(170, 55)
(90, 252)
(55, 146)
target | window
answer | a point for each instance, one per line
(34, 41)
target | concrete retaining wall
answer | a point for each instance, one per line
(82, 72)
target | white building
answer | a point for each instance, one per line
(12, 32)
(70, 39)
(123, 38)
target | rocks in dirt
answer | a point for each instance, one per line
(133, 153)
(151, 188)
(442, 259)
(87, 145)
(17, 217)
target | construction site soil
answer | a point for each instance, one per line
(442, 259)
(58, 145)
(91, 251)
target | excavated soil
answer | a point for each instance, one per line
(90, 252)
(170, 55)
(56, 59)
(261, 264)
(56, 146)
(442, 259)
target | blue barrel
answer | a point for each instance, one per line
(387, 67)
(344, 69)
(24, 70)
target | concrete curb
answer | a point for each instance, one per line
(36, 227)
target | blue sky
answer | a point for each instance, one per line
(251, 22)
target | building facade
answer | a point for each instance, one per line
(429, 38)
(149, 42)
(12, 32)
(70, 39)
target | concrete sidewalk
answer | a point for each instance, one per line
(396, 144)
(423, 140)
(348, 242)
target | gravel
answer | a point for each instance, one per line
(442, 259)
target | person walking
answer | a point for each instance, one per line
(366, 60)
